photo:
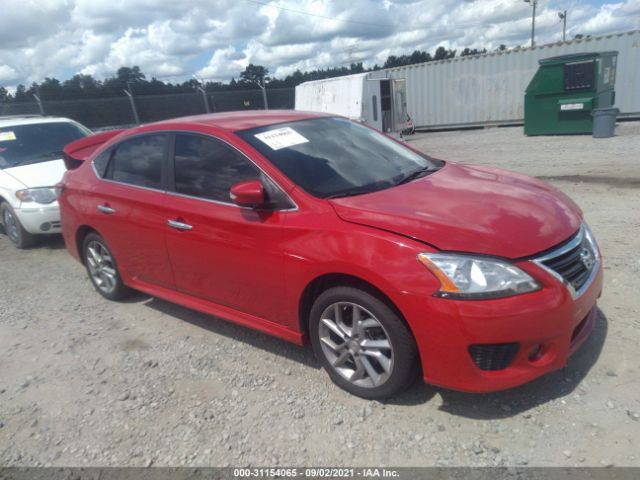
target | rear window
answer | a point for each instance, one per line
(139, 161)
(35, 143)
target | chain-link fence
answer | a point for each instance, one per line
(119, 111)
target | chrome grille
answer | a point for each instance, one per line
(574, 263)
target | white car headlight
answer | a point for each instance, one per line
(41, 195)
(469, 277)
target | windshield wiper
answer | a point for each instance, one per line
(350, 193)
(421, 172)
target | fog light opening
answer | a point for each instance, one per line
(536, 353)
(45, 227)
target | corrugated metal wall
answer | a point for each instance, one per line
(489, 89)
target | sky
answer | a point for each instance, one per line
(215, 39)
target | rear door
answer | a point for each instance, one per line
(399, 104)
(128, 206)
(372, 105)
(220, 252)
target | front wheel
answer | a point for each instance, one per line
(103, 269)
(18, 236)
(362, 343)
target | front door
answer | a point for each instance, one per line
(220, 252)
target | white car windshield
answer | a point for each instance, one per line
(36, 142)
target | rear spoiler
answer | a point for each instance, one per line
(76, 152)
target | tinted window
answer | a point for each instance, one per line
(333, 156)
(102, 161)
(139, 161)
(35, 143)
(207, 168)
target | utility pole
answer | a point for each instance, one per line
(533, 3)
(563, 17)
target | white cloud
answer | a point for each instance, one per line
(224, 64)
(7, 73)
(216, 39)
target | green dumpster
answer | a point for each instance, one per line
(565, 90)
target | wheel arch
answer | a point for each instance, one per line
(329, 280)
(81, 234)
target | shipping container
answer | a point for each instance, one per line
(489, 89)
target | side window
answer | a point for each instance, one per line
(102, 161)
(139, 161)
(206, 168)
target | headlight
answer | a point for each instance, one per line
(468, 277)
(42, 195)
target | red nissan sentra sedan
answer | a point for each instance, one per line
(314, 228)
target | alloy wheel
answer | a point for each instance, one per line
(101, 267)
(356, 344)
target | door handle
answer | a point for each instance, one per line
(179, 225)
(106, 209)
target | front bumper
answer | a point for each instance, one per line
(39, 218)
(547, 326)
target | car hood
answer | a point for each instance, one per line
(470, 208)
(43, 174)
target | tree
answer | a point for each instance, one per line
(4, 95)
(21, 94)
(125, 78)
(131, 75)
(49, 88)
(255, 74)
(443, 54)
(472, 51)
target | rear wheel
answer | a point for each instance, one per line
(362, 343)
(14, 230)
(102, 268)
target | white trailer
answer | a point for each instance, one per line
(379, 102)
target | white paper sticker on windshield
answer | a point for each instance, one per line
(281, 138)
(4, 136)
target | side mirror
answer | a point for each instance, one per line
(248, 194)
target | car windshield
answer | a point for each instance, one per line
(333, 157)
(36, 142)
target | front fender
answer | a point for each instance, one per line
(382, 259)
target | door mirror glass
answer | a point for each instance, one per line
(248, 194)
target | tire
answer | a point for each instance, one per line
(348, 353)
(102, 268)
(13, 229)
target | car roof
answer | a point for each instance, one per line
(16, 120)
(243, 120)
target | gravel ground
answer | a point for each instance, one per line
(87, 382)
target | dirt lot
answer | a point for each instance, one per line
(88, 382)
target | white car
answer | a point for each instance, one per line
(30, 166)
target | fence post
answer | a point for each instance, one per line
(264, 96)
(40, 106)
(213, 103)
(204, 98)
(133, 106)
